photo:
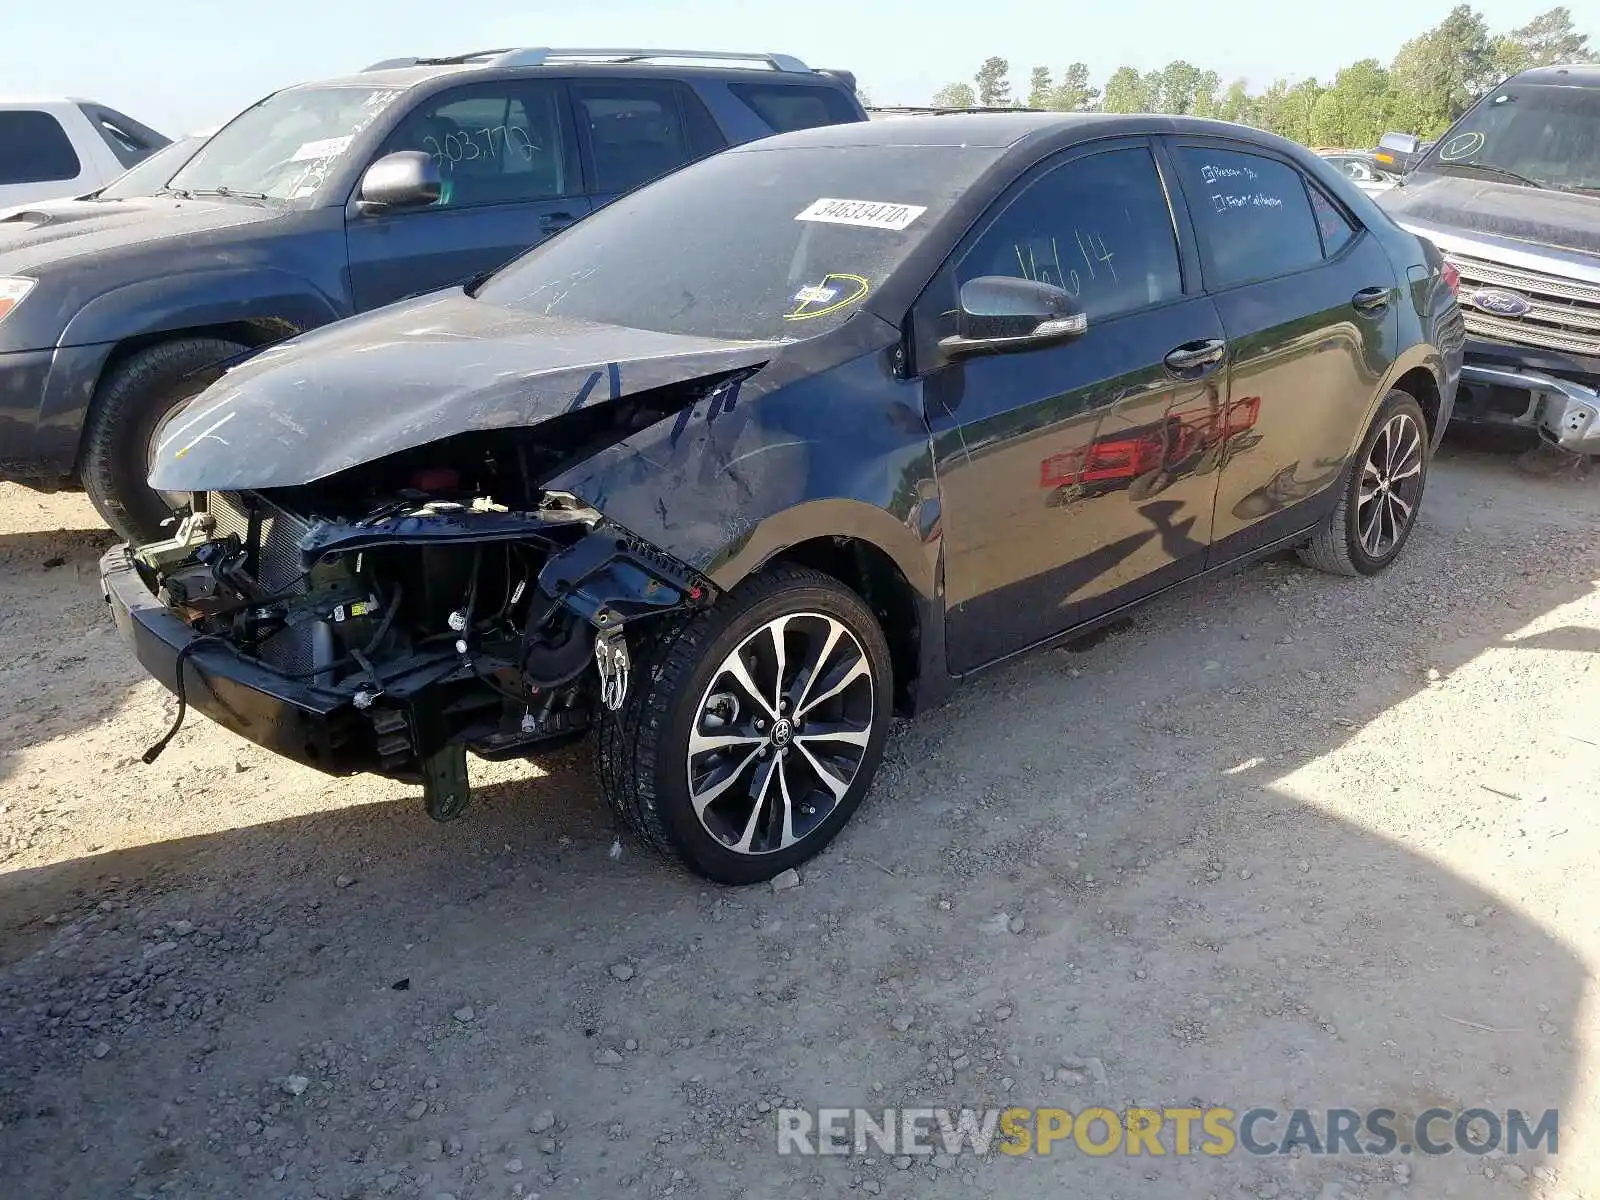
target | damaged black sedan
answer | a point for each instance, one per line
(786, 443)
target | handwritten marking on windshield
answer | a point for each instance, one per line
(820, 300)
(872, 214)
(1463, 145)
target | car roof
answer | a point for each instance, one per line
(1000, 130)
(1573, 75)
(45, 101)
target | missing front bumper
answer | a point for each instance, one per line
(1564, 413)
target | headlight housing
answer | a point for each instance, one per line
(12, 293)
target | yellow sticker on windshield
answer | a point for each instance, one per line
(829, 296)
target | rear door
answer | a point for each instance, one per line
(1308, 301)
(508, 155)
(1072, 476)
(635, 130)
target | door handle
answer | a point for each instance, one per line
(1196, 356)
(555, 222)
(1372, 299)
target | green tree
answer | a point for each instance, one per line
(1299, 103)
(1073, 93)
(1238, 105)
(1355, 110)
(1438, 75)
(1125, 92)
(994, 83)
(1040, 88)
(1549, 39)
(955, 95)
(1150, 83)
(1176, 89)
(1206, 102)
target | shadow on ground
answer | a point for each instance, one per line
(1190, 927)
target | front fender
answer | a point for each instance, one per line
(199, 298)
(751, 469)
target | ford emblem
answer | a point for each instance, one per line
(1501, 304)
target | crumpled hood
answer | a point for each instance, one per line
(1544, 217)
(409, 375)
(36, 235)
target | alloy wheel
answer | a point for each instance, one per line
(780, 733)
(1391, 486)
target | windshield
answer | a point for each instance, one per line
(282, 148)
(770, 244)
(1539, 134)
(151, 175)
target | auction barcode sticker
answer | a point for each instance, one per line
(875, 214)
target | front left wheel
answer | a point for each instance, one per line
(753, 730)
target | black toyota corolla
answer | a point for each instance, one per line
(786, 443)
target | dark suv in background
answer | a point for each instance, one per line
(333, 198)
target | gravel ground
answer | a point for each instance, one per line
(1288, 840)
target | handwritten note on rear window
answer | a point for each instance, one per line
(1236, 189)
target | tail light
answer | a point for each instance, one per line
(1452, 277)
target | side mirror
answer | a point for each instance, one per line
(1001, 312)
(1398, 151)
(404, 179)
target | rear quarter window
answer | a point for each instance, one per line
(35, 149)
(786, 107)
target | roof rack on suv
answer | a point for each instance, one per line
(538, 56)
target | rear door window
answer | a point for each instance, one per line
(639, 130)
(795, 106)
(35, 149)
(1252, 215)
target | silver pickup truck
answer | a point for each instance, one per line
(1511, 195)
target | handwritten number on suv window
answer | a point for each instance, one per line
(481, 143)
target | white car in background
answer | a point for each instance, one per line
(51, 149)
(1362, 169)
(148, 178)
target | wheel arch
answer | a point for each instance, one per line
(1419, 367)
(254, 308)
(869, 551)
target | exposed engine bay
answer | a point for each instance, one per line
(440, 596)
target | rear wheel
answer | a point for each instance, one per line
(1378, 507)
(754, 729)
(130, 409)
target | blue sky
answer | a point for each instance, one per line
(182, 64)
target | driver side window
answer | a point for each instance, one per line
(493, 144)
(1098, 227)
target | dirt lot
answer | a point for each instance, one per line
(1287, 841)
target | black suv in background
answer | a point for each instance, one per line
(333, 198)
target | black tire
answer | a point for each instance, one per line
(642, 750)
(1337, 546)
(129, 406)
